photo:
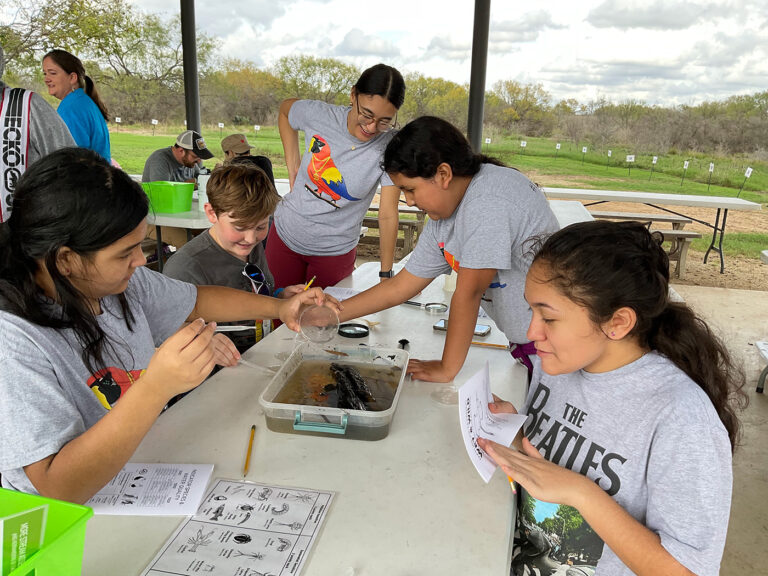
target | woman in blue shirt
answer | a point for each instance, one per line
(81, 107)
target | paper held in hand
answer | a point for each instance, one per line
(477, 420)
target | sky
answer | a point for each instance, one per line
(665, 52)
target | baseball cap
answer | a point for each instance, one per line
(191, 140)
(237, 143)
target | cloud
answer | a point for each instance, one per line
(357, 43)
(725, 50)
(657, 15)
(525, 29)
(447, 48)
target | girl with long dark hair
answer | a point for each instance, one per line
(480, 214)
(317, 226)
(91, 348)
(632, 410)
(81, 108)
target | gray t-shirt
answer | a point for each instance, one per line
(163, 166)
(202, 262)
(47, 395)
(500, 211)
(342, 171)
(650, 437)
(47, 131)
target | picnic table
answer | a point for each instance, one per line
(407, 503)
(721, 205)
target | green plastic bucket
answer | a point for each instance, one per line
(62, 551)
(169, 197)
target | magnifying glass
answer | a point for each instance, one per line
(429, 307)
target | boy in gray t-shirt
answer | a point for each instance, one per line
(241, 198)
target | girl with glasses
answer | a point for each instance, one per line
(90, 340)
(317, 226)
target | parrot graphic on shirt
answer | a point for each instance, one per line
(324, 174)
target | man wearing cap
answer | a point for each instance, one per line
(177, 163)
(29, 130)
(236, 147)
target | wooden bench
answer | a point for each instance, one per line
(678, 222)
(681, 241)
(410, 229)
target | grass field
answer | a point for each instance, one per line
(569, 168)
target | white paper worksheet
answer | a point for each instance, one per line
(477, 420)
(153, 489)
(246, 529)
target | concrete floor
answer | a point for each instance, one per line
(740, 317)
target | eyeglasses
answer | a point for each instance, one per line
(366, 119)
(257, 278)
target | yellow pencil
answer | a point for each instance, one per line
(248, 453)
(308, 284)
(490, 345)
(512, 484)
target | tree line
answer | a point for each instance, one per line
(136, 60)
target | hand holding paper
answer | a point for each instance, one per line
(478, 421)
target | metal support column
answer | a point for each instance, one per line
(477, 73)
(189, 48)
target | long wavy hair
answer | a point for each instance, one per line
(72, 64)
(70, 198)
(605, 266)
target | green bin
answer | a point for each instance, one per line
(169, 197)
(62, 551)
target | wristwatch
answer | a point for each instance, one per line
(387, 274)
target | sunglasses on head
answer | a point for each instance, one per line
(257, 278)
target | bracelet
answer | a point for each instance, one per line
(277, 292)
(387, 274)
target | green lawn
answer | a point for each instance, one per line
(566, 169)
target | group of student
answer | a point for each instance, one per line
(632, 400)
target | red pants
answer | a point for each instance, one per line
(290, 268)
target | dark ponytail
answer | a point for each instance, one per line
(382, 80)
(72, 64)
(423, 144)
(605, 266)
(72, 198)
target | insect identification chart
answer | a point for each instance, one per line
(245, 529)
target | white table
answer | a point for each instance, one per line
(569, 212)
(719, 203)
(410, 503)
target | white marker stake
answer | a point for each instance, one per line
(685, 169)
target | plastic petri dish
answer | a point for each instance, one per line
(319, 324)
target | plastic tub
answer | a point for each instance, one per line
(62, 551)
(169, 197)
(330, 421)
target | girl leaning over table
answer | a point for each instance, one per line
(317, 225)
(480, 214)
(626, 460)
(90, 345)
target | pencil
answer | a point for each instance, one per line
(248, 453)
(490, 345)
(308, 284)
(512, 484)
